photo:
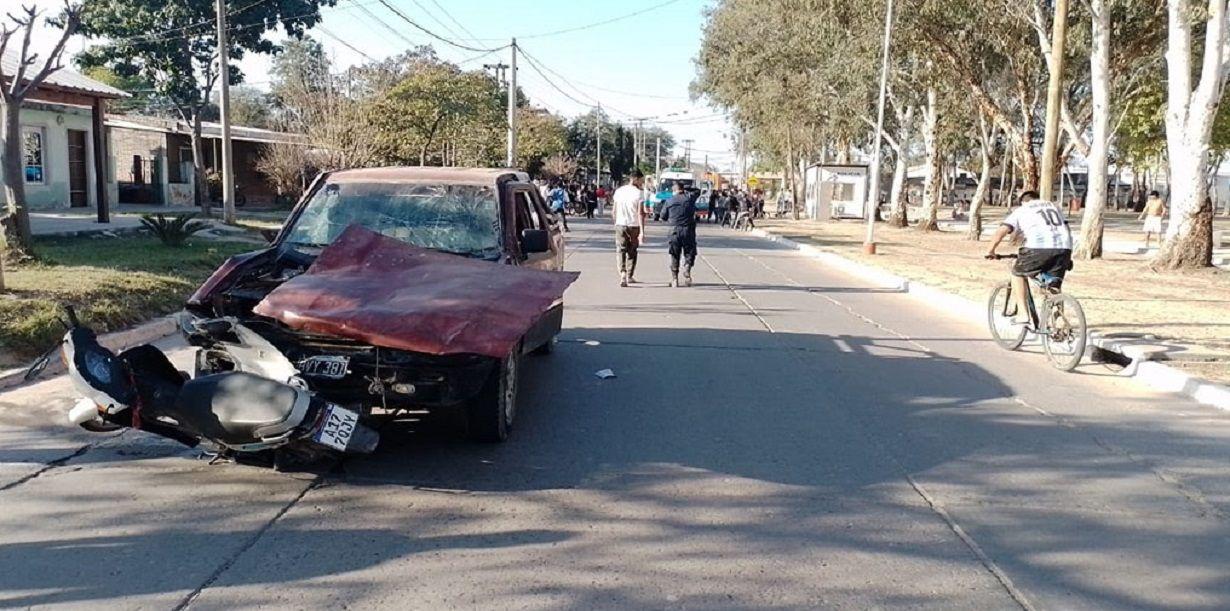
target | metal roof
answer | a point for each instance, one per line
(209, 129)
(477, 176)
(63, 79)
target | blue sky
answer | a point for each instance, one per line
(651, 53)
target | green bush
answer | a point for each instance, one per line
(172, 231)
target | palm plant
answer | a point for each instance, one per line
(174, 230)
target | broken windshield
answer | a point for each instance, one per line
(462, 219)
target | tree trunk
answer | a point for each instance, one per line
(1090, 246)
(981, 194)
(1189, 130)
(1189, 237)
(931, 190)
(791, 166)
(200, 189)
(898, 195)
(21, 240)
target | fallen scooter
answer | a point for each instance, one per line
(241, 415)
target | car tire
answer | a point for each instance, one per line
(490, 414)
(545, 349)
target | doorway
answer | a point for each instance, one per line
(78, 187)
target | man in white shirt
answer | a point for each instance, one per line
(627, 211)
(1047, 249)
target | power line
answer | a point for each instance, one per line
(472, 38)
(429, 32)
(534, 65)
(596, 102)
(383, 23)
(343, 42)
(438, 21)
(601, 23)
(478, 57)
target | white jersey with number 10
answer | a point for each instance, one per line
(1043, 225)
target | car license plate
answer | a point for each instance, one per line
(334, 367)
(337, 428)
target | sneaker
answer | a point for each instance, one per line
(674, 281)
(623, 281)
(687, 280)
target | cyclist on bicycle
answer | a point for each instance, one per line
(1047, 249)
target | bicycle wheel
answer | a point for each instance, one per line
(1008, 334)
(1066, 334)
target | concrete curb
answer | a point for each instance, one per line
(143, 333)
(85, 233)
(1153, 374)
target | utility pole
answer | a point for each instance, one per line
(657, 164)
(638, 142)
(872, 201)
(743, 156)
(224, 72)
(500, 71)
(510, 160)
(687, 154)
(598, 136)
(1059, 35)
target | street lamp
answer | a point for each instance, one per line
(873, 195)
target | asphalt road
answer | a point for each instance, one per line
(780, 435)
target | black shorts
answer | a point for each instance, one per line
(1033, 261)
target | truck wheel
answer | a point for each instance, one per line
(490, 414)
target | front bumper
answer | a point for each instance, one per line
(374, 376)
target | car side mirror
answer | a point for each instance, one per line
(270, 234)
(535, 241)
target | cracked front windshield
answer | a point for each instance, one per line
(461, 219)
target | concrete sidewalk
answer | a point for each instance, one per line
(124, 218)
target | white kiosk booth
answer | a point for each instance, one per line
(836, 191)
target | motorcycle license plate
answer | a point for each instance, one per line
(337, 428)
(334, 367)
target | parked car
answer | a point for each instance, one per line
(382, 293)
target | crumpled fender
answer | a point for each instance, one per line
(385, 292)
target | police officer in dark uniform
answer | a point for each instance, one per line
(680, 213)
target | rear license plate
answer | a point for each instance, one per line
(337, 428)
(334, 367)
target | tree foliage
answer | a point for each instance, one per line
(174, 47)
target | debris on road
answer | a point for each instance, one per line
(604, 374)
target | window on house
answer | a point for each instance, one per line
(32, 144)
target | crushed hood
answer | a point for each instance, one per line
(384, 292)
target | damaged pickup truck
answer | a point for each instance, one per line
(395, 289)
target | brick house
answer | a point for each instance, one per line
(153, 159)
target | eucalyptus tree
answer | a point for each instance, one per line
(1120, 43)
(987, 52)
(1192, 100)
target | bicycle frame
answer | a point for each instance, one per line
(1036, 324)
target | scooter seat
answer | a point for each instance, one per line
(238, 408)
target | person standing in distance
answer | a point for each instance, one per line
(680, 213)
(1155, 210)
(629, 217)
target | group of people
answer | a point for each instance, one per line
(585, 198)
(736, 208)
